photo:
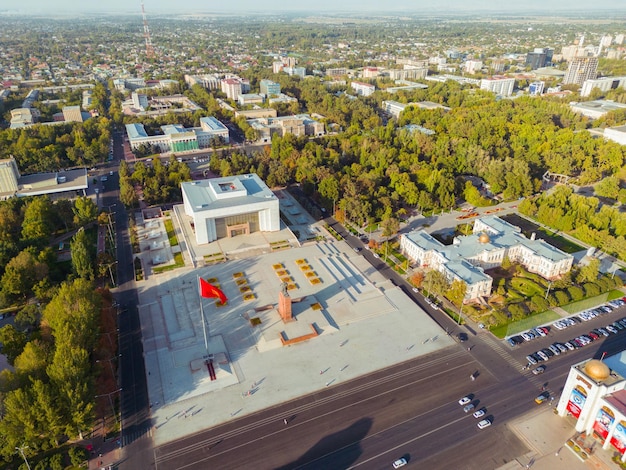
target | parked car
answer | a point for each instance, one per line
(531, 360)
(542, 355)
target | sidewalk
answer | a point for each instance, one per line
(545, 433)
(105, 454)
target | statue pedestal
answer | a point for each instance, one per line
(284, 307)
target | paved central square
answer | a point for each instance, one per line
(244, 359)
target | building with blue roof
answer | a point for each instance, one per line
(469, 256)
(176, 138)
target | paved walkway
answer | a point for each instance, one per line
(545, 433)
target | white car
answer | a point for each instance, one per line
(479, 413)
(415, 289)
(485, 423)
(376, 255)
(465, 400)
(399, 463)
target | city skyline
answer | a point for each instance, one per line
(325, 6)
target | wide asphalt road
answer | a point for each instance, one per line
(135, 412)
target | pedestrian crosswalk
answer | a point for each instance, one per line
(498, 346)
(502, 352)
(135, 433)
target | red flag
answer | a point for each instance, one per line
(209, 291)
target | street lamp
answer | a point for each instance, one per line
(21, 451)
(111, 403)
(110, 363)
(548, 291)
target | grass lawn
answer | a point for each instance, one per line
(522, 325)
(548, 235)
(592, 302)
(560, 242)
(169, 227)
(178, 262)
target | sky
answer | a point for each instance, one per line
(326, 6)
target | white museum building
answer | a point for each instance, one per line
(229, 206)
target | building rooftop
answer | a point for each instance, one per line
(611, 378)
(228, 191)
(212, 123)
(50, 183)
(135, 131)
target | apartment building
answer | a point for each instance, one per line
(581, 69)
(498, 84)
(363, 89)
(603, 84)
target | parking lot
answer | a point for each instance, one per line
(612, 325)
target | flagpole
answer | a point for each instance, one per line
(206, 344)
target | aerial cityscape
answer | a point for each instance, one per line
(286, 237)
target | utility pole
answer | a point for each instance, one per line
(548, 291)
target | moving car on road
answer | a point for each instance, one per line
(399, 463)
(469, 407)
(465, 400)
(543, 396)
(539, 370)
(479, 413)
(485, 423)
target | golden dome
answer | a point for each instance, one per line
(484, 238)
(597, 370)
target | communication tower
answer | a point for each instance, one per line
(146, 34)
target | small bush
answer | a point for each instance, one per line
(78, 455)
(517, 310)
(43, 464)
(539, 303)
(56, 462)
(561, 297)
(591, 289)
(576, 293)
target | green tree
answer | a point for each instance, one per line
(608, 187)
(457, 291)
(81, 255)
(85, 211)
(588, 272)
(37, 226)
(73, 313)
(12, 342)
(71, 376)
(28, 317)
(436, 282)
(22, 273)
(390, 226)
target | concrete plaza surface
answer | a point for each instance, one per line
(545, 434)
(363, 322)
